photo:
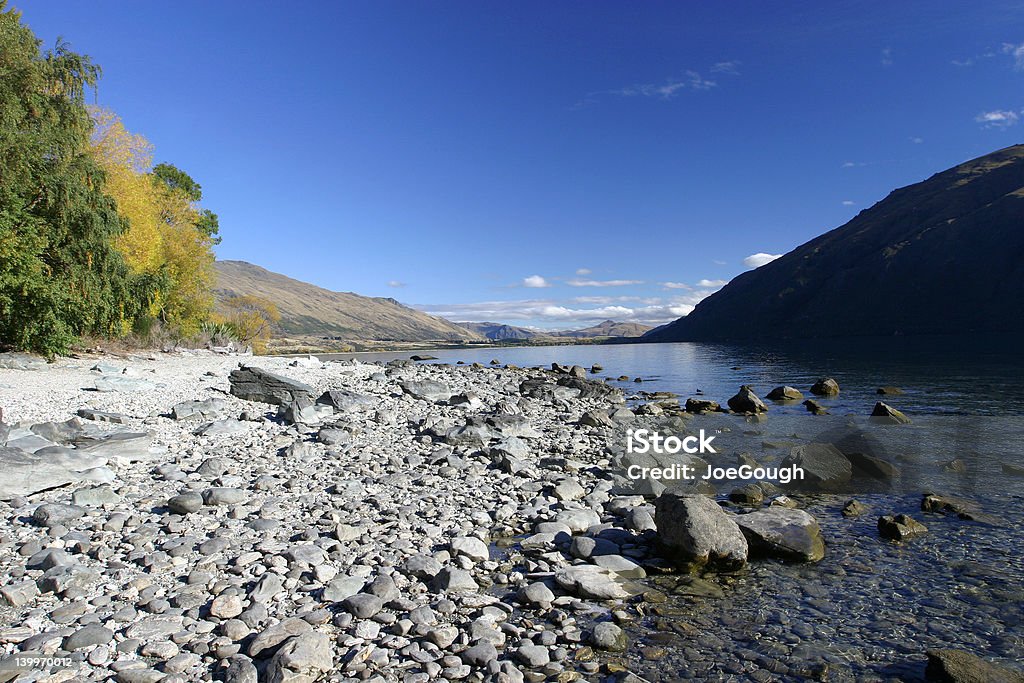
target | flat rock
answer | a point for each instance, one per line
(301, 659)
(957, 666)
(28, 473)
(591, 581)
(251, 383)
(427, 390)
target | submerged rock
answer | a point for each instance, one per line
(784, 393)
(700, 405)
(957, 666)
(887, 413)
(783, 533)
(900, 527)
(825, 467)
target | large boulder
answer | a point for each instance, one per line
(825, 467)
(957, 666)
(746, 401)
(427, 390)
(695, 532)
(256, 384)
(301, 659)
(783, 533)
(345, 401)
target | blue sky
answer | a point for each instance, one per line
(547, 163)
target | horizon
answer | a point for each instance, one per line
(491, 164)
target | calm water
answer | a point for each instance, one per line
(938, 375)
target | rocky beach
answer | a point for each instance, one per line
(194, 516)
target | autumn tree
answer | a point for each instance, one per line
(61, 274)
(251, 318)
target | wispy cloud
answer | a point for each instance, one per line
(535, 281)
(675, 285)
(1016, 51)
(916, 140)
(730, 67)
(997, 118)
(395, 283)
(847, 202)
(759, 259)
(886, 56)
(583, 271)
(577, 282)
(854, 164)
(712, 283)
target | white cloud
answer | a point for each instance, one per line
(847, 202)
(712, 283)
(854, 164)
(395, 283)
(535, 281)
(759, 259)
(675, 285)
(690, 80)
(1017, 52)
(917, 140)
(997, 118)
(602, 283)
(583, 271)
(887, 56)
(719, 263)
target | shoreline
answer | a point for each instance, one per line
(366, 535)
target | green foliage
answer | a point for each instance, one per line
(60, 274)
(177, 180)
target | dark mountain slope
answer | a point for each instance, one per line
(943, 256)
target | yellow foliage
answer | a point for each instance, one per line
(252, 318)
(126, 160)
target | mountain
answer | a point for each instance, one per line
(499, 331)
(945, 255)
(608, 328)
(308, 310)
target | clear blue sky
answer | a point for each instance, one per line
(449, 154)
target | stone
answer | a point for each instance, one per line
(825, 386)
(222, 495)
(122, 448)
(578, 520)
(854, 508)
(362, 605)
(251, 383)
(102, 416)
(301, 659)
(608, 636)
(209, 409)
(957, 666)
(19, 594)
(533, 656)
(900, 527)
(185, 503)
(333, 436)
(624, 568)
(223, 428)
(88, 636)
(422, 567)
(268, 586)
(240, 670)
(537, 593)
(700, 405)
(870, 466)
(64, 578)
(27, 473)
(52, 514)
(591, 581)
(343, 587)
(48, 558)
(301, 411)
(453, 580)
(888, 391)
(783, 533)
(814, 408)
(746, 401)
(427, 390)
(825, 467)
(885, 413)
(784, 393)
(345, 401)
(696, 532)
(569, 489)
(470, 547)
(21, 361)
(596, 418)
(309, 554)
(226, 606)
(155, 627)
(95, 496)
(272, 636)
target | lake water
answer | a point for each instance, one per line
(871, 608)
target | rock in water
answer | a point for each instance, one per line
(825, 386)
(700, 405)
(956, 666)
(696, 532)
(784, 394)
(783, 533)
(746, 401)
(256, 384)
(825, 467)
(887, 413)
(900, 527)
(814, 408)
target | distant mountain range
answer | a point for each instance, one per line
(608, 328)
(945, 255)
(311, 311)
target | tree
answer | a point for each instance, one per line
(176, 180)
(252, 319)
(61, 275)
